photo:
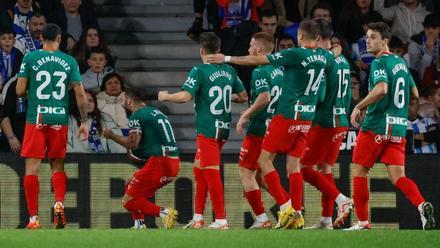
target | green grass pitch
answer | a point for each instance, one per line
(161, 238)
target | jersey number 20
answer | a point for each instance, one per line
(220, 94)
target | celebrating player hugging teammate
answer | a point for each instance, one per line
(212, 87)
(305, 70)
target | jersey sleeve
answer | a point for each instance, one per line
(24, 67)
(75, 76)
(285, 57)
(134, 123)
(192, 83)
(379, 72)
(260, 81)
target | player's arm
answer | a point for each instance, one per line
(21, 88)
(414, 93)
(263, 99)
(241, 97)
(249, 60)
(179, 97)
(81, 101)
(378, 92)
(131, 142)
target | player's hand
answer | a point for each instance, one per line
(15, 144)
(107, 133)
(161, 96)
(240, 124)
(354, 117)
(215, 58)
(83, 132)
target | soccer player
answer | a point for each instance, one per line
(328, 131)
(265, 90)
(287, 133)
(212, 87)
(150, 141)
(45, 76)
(383, 130)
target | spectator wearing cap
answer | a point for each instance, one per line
(424, 50)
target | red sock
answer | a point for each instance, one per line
(360, 197)
(31, 190)
(59, 184)
(296, 190)
(274, 187)
(327, 202)
(255, 200)
(201, 191)
(215, 188)
(410, 189)
(320, 182)
(137, 215)
(143, 206)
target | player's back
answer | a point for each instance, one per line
(333, 110)
(157, 138)
(212, 87)
(49, 74)
(304, 71)
(389, 115)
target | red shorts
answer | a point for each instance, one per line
(323, 145)
(370, 146)
(208, 151)
(156, 173)
(42, 140)
(250, 151)
(287, 136)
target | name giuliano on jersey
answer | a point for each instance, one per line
(49, 74)
(212, 86)
(389, 115)
(303, 80)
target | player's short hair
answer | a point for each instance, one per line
(266, 40)
(51, 31)
(210, 42)
(268, 13)
(382, 28)
(325, 29)
(7, 30)
(134, 94)
(310, 29)
(96, 50)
